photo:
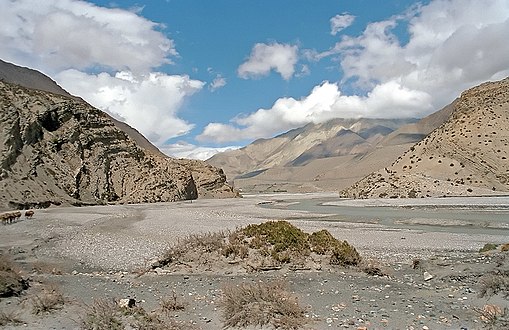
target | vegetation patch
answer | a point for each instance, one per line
(265, 246)
(488, 247)
(49, 300)
(261, 304)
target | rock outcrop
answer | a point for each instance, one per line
(465, 156)
(56, 149)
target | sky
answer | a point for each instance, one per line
(201, 76)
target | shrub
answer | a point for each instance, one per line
(281, 235)
(9, 318)
(49, 300)
(492, 284)
(261, 304)
(488, 247)
(172, 304)
(504, 247)
(102, 315)
(345, 255)
(323, 242)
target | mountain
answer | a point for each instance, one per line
(57, 149)
(466, 155)
(313, 157)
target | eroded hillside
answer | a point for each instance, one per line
(60, 150)
(467, 155)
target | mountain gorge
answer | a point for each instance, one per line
(57, 149)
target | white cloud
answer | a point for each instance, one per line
(266, 57)
(183, 149)
(147, 102)
(388, 100)
(55, 35)
(340, 22)
(217, 83)
(452, 45)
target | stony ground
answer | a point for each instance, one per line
(99, 252)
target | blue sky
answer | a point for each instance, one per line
(197, 76)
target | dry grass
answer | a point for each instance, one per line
(261, 304)
(172, 304)
(492, 284)
(102, 315)
(7, 318)
(493, 316)
(49, 300)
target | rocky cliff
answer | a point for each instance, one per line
(466, 155)
(56, 149)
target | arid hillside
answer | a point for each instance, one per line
(466, 155)
(56, 149)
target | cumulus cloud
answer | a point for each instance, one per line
(340, 22)
(452, 45)
(388, 100)
(281, 58)
(217, 83)
(147, 102)
(55, 35)
(183, 149)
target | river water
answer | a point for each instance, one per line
(486, 215)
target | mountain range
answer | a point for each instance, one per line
(458, 150)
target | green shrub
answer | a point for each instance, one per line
(488, 247)
(322, 242)
(345, 255)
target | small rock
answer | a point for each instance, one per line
(127, 303)
(74, 272)
(427, 276)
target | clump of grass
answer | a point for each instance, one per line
(49, 300)
(7, 318)
(261, 304)
(102, 314)
(488, 247)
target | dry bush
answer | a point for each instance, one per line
(11, 282)
(493, 316)
(199, 243)
(103, 314)
(261, 304)
(9, 318)
(172, 304)
(492, 284)
(504, 247)
(49, 300)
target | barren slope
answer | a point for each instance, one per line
(298, 147)
(467, 155)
